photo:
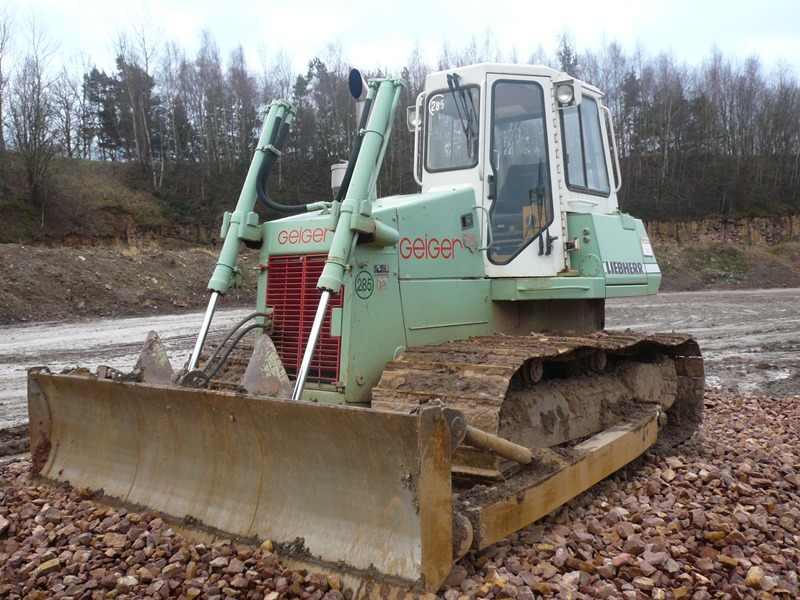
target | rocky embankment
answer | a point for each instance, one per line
(719, 517)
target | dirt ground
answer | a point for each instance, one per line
(749, 338)
(703, 266)
(67, 284)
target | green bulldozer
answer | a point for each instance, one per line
(423, 374)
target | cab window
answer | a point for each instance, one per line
(451, 132)
(583, 148)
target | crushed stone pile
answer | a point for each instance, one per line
(717, 517)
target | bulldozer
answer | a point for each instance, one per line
(423, 374)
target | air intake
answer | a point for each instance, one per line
(293, 295)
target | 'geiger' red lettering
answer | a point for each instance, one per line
(304, 235)
(429, 248)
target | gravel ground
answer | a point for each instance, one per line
(719, 517)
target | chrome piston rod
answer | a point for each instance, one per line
(201, 337)
(302, 374)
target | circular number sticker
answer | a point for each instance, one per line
(365, 285)
(436, 104)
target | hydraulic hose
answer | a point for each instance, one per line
(232, 332)
(228, 351)
(351, 164)
(274, 149)
(276, 145)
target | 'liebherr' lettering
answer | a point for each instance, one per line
(623, 268)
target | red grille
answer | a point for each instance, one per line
(293, 295)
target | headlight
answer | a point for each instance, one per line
(565, 94)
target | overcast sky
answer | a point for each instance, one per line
(381, 34)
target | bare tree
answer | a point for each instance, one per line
(720, 80)
(242, 113)
(783, 129)
(567, 55)
(32, 115)
(669, 101)
(136, 56)
(85, 120)
(276, 78)
(66, 96)
(5, 46)
(209, 99)
(176, 139)
(748, 92)
(608, 70)
(540, 57)
(473, 52)
(451, 57)
(417, 71)
(491, 50)
(327, 90)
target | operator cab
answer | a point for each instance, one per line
(531, 142)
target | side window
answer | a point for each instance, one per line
(583, 148)
(451, 132)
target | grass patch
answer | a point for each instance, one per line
(787, 252)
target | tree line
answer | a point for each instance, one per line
(720, 137)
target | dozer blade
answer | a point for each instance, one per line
(364, 488)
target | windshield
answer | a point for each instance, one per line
(451, 138)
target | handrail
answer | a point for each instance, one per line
(417, 130)
(613, 145)
(490, 238)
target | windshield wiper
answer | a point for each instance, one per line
(466, 113)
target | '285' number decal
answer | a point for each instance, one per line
(365, 285)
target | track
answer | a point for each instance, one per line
(542, 391)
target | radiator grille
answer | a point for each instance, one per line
(292, 293)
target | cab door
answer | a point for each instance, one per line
(525, 216)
